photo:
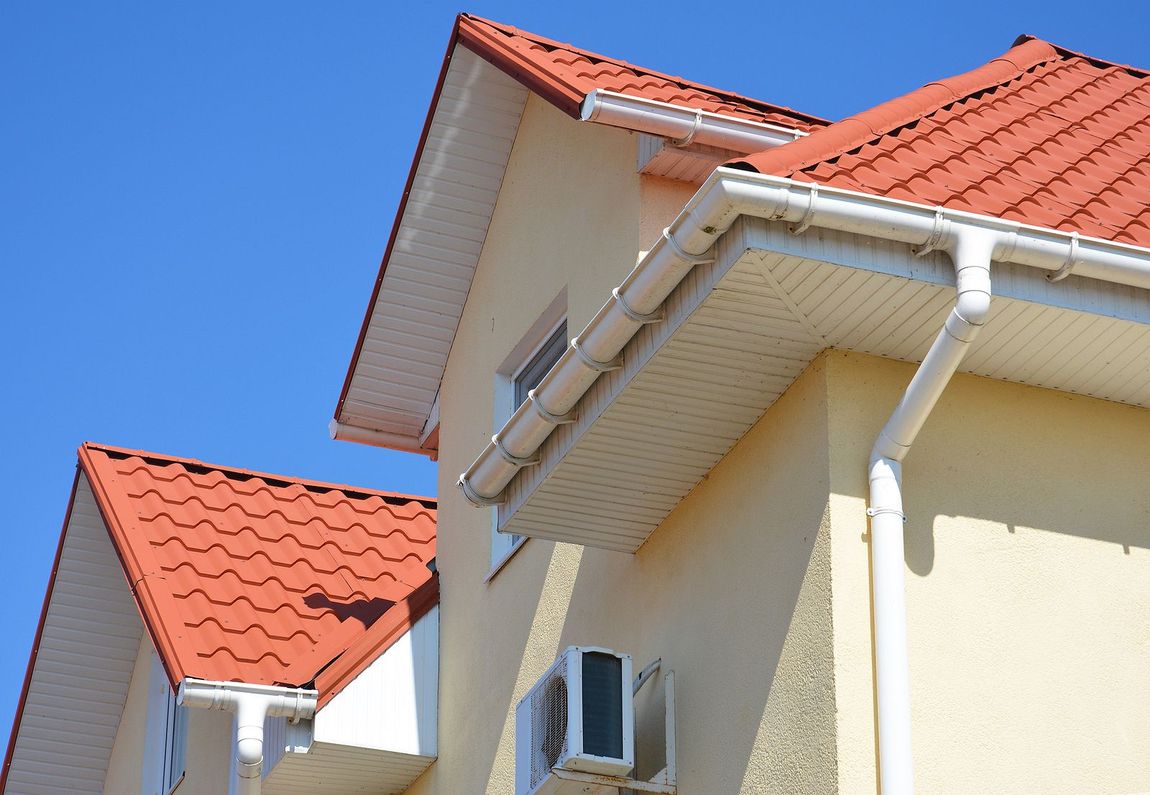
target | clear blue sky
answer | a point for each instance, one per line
(194, 198)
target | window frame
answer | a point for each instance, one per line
(540, 338)
(166, 738)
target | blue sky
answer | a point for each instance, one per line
(194, 198)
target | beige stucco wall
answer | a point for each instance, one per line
(209, 741)
(732, 593)
(1028, 585)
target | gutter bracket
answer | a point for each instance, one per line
(892, 511)
(595, 364)
(514, 460)
(693, 259)
(689, 137)
(547, 416)
(477, 499)
(936, 234)
(804, 223)
(1067, 266)
(651, 317)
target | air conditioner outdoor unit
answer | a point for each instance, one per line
(578, 716)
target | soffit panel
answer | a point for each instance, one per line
(693, 385)
(436, 249)
(84, 664)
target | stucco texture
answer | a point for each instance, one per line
(732, 592)
(1028, 585)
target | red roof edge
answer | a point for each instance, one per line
(388, 496)
(378, 638)
(853, 132)
(399, 218)
(39, 634)
(496, 53)
(475, 38)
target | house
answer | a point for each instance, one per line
(184, 591)
(843, 424)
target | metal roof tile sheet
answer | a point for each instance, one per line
(244, 576)
(1041, 135)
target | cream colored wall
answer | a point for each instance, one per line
(209, 741)
(209, 753)
(1028, 585)
(732, 593)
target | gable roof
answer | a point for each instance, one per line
(564, 75)
(389, 393)
(1041, 135)
(245, 576)
(236, 575)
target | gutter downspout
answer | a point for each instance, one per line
(250, 704)
(971, 250)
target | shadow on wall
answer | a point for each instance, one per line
(1051, 475)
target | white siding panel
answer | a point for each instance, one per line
(84, 666)
(436, 249)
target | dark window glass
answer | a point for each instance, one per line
(544, 359)
(603, 705)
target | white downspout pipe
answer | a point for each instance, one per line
(250, 704)
(971, 250)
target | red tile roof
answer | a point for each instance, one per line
(245, 576)
(1041, 135)
(564, 75)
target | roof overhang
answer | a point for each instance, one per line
(81, 665)
(737, 331)
(389, 396)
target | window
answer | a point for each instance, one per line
(166, 740)
(544, 359)
(521, 372)
(175, 742)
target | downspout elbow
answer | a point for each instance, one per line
(971, 252)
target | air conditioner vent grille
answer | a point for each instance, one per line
(549, 722)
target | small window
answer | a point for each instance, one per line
(531, 373)
(166, 735)
(175, 742)
(522, 371)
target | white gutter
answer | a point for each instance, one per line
(250, 704)
(684, 126)
(971, 240)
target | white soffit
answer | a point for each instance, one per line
(87, 650)
(436, 249)
(659, 157)
(739, 332)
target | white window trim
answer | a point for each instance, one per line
(503, 545)
(154, 772)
